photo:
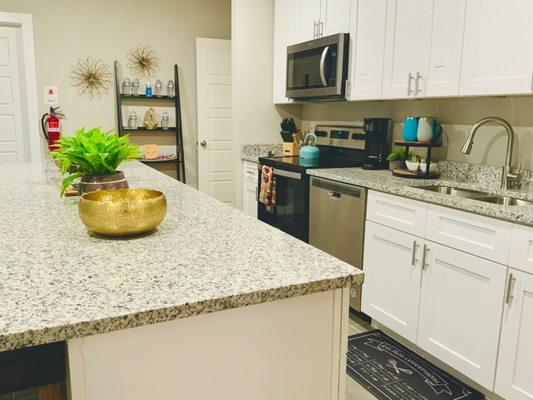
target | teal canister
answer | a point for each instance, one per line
(410, 129)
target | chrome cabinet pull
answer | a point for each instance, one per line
(413, 255)
(510, 286)
(315, 25)
(409, 78)
(417, 84)
(425, 250)
(321, 29)
(532, 81)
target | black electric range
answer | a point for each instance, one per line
(340, 147)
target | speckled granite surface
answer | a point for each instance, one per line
(252, 152)
(383, 181)
(57, 282)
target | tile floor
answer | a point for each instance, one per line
(354, 391)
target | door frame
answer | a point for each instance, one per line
(25, 23)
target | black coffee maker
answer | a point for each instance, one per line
(378, 132)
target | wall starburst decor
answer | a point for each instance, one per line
(143, 61)
(91, 77)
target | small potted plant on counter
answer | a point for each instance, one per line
(397, 159)
(94, 156)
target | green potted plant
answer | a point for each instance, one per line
(94, 156)
(397, 158)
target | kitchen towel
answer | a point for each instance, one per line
(266, 194)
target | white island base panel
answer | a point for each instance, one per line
(289, 349)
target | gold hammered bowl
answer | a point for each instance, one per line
(122, 212)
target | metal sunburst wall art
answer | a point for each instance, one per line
(91, 77)
(143, 61)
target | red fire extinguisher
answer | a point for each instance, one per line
(51, 125)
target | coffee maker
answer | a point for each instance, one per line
(378, 132)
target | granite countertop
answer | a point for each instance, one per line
(383, 181)
(57, 282)
(252, 152)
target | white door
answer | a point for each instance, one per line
(442, 47)
(514, 377)
(215, 139)
(12, 146)
(460, 311)
(367, 32)
(307, 19)
(335, 17)
(401, 48)
(498, 47)
(285, 34)
(391, 289)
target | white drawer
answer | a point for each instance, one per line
(475, 234)
(521, 256)
(250, 172)
(397, 212)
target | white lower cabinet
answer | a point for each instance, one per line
(514, 378)
(391, 289)
(460, 310)
(249, 189)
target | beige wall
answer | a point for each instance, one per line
(255, 118)
(457, 115)
(66, 30)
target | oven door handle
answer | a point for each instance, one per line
(287, 174)
(322, 66)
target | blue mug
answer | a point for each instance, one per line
(410, 129)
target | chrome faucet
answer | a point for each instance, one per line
(507, 176)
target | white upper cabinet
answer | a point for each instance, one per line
(285, 34)
(498, 47)
(441, 47)
(402, 37)
(460, 310)
(307, 19)
(335, 17)
(423, 48)
(367, 34)
(515, 362)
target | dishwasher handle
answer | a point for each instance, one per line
(337, 189)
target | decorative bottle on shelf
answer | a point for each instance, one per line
(126, 87)
(135, 87)
(132, 120)
(164, 121)
(158, 88)
(171, 89)
(148, 89)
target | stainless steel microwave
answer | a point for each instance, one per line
(318, 69)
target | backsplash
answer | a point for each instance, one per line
(457, 116)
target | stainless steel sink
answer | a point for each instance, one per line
(453, 191)
(505, 201)
(476, 195)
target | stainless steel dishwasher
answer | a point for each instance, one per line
(337, 224)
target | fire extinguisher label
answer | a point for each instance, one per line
(53, 126)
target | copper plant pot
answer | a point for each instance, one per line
(92, 183)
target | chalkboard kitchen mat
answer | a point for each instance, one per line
(390, 371)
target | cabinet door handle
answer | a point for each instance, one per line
(409, 78)
(413, 255)
(417, 83)
(425, 250)
(510, 286)
(321, 30)
(532, 81)
(315, 25)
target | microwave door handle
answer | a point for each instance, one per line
(322, 65)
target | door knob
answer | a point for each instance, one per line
(203, 143)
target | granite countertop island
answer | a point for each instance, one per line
(57, 282)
